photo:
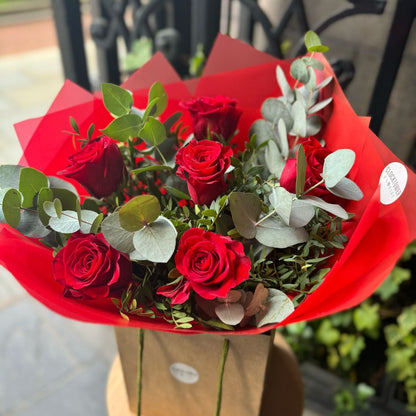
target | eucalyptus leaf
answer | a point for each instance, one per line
(346, 189)
(136, 256)
(274, 109)
(301, 213)
(299, 71)
(124, 128)
(324, 83)
(319, 106)
(272, 232)
(31, 181)
(334, 209)
(45, 194)
(10, 202)
(157, 91)
(156, 241)
(337, 165)
(273, 158)
(230, 313)
(87, 220)
(68, 223)
(153, 132)
(31, 226)
(282, 201)
(59, 183)
(278, 307)
(53, 208)
(138, 212)
(117, 100)
(299, 119)
(283, 142)
(314, 63)
(96, 223)
(313, 125)
(313, 42)
(245, 211)
(66, 197)
(263, 131)
(300, 97)
(9, 176)
(115, 235)
(311, 84)
(284, 85)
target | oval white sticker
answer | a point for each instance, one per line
(184, 373)
(393, 181)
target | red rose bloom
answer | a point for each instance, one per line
(217, 115)
(203, 165)
(89, 268)
(211, 265)
(315, 156)
(98, 167)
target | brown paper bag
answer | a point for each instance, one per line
(180, 374)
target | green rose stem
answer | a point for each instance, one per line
(225, 346)
(139, 371)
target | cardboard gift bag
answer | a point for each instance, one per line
(180, 374)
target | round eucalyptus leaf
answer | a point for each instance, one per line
(44, 195)
(274, 109)
(337, 165)
(230, 313)
(116, 236)
(347, 189)
(55, 182)
(31, 226)
(313, 125)
(299, 119)
(245, 210)
(68, 223)
(282, 138)
(263, 131)
(274, 233)
(136, 256)
(284, 85)
(156, 241)
(31, 181)
(87, 220)
(273, 158)
(10, 203)
(320, 105)
(301, 213)
(278, 307)
(9, 176)
(324, 83)
(282, 201)
(299, 71)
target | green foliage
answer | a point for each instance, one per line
(117, 100)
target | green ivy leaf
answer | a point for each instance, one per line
(245, 210)
(157, 91)
(156, 241)
(117, 100)
(153, 132)
(10, 202)
(124, 127)
(31, 181)
(138, 212)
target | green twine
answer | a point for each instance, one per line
(139, 371)
(225, 346)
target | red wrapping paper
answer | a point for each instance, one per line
(377, 235)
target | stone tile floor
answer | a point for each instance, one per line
(48, 364)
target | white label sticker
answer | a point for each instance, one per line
(393, 180)
(184, 373)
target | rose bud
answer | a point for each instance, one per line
(89, 268)
(203, 165)
(98, 167)
(211, 265)
(218, 115)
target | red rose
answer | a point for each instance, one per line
(217, 115)
(315, 156)
(98, 167)
(211, 265)
(88, 267)
(203, 165)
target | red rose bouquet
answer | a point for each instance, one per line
(274, 205)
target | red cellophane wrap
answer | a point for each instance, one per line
(377, 235)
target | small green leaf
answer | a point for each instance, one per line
(10, 202)
(157, 91)
(53, 208)
(245, 210)
(153, 132)
(177, 193)
(124, 127)
(96, 224)
(90, 131)
(45, 194)
(320, 105)
(156, 241)
(117, 100)
(313, 42)
(301, 165)
(31, 181)
(74, 124)
(172, 120)
(151, 169)
(138, 212)
(337, 165)
(209, 213)
(67, 198)
(299, 71)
